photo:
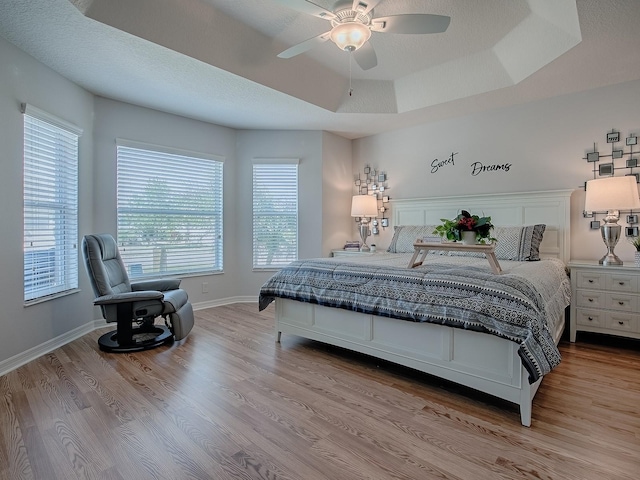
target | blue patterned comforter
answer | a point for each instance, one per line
(515, 305)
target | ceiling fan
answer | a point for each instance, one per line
(352, 24)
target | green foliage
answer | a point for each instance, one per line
(448, 229)
(635, 241)
(159, 221)
(464, 221)
(275, 219)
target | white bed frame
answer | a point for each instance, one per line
(484, 362)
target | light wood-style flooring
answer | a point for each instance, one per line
(230, 403)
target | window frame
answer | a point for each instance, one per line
(51, 149)
(161, 155)
(276, 163)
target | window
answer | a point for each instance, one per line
(275, 212)
(169, 210)
(50, 204)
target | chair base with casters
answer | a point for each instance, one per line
(127, 338)
(134, 306)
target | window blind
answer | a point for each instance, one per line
(50, 204)
(275, 213)
(169, 209)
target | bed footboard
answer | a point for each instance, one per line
(477, 360)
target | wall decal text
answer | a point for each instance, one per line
(478, 167)
(436, 164)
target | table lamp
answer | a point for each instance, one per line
(365, 207)
(611, 194)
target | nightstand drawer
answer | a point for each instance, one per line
(622, 322)
(622, 282)
(622, 301)
(591, 280)
(591, 299)
(591, 318)
(604, 299)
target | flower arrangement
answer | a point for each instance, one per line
(465, 222)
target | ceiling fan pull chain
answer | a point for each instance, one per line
(350, 55)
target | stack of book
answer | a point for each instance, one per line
(352, 246)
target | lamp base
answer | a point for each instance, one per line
(364, 233)
(610, 259)
(610, 232)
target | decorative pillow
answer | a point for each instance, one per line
(521, 243)
(404, 236)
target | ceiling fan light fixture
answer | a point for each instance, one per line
(350, 36)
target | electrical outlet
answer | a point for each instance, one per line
(205, 287)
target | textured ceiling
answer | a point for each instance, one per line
(216, 60)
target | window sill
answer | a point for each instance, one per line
(35, 301)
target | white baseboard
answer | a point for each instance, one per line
(225, 301)
(25, 357)
(16, 361)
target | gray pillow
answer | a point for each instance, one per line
(519, 243)
(404, 236)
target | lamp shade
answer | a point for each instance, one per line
(612, 193)
(364, 206)
(350, 36)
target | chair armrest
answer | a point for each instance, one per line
(128, 297)
(160, 284)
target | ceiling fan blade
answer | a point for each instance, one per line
(304, 46)
(411, 23)
(310, 8)
(366, 57)
(364, 6)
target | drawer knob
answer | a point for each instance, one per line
(591, 299)
(620, 303)
(620, 322)
(620, 283)
(590, 281)
(590, 319)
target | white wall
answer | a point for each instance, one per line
(325, 166)
(115, 119)
(337, 189)
(23, 79)
(544, 143)
(303, 145)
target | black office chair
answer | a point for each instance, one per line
(134, 306)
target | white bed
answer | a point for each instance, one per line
(481, 361)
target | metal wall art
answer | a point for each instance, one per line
(605, 165)
(374, 182)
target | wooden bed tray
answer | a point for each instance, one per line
(423, 248)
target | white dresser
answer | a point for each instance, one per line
(604, 299)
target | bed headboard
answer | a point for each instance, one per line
(551, 208)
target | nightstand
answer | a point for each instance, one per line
(604, 299)
(344, 253)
